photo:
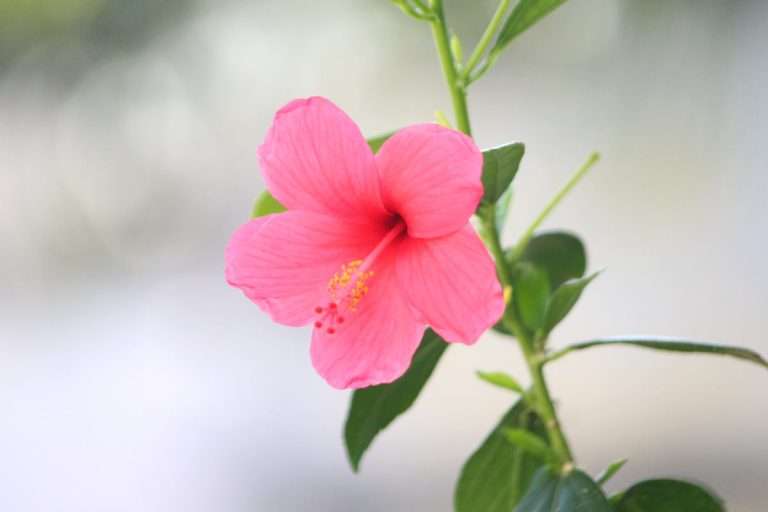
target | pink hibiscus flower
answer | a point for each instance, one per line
(372, 248)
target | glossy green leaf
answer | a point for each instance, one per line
(531, 293)
(373, 408)
(561, 254)
(500, 165)
(525, 14)
(265, 204)
(498, 473)
(672, 345)
(563, 299)
(665, 495)
(530, 443)
(502, 380)
(610, 471)
(572, 492)
(375, 143)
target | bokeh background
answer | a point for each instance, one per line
(132, 378)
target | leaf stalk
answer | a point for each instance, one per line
(572, 181)
(485, 40)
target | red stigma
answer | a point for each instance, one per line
(329, 317)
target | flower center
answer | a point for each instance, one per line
(349, 286)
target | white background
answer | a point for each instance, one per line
(132, 378)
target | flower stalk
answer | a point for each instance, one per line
(485, 40)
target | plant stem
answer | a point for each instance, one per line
(485, 40)
(543, 399)
(533, 357)
(493, 241)
(442, 43)
(526, 237)
(487, 63)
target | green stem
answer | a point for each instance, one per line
(485, 40)
(487, 63)
(493, 241)
(544, 405)
(442, 43)
(520, 247)
(533, 358)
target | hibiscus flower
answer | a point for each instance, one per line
(372, 249)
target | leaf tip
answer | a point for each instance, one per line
(354, 460)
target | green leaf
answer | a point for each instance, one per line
(570, 492)
(672, 345)
(502, 380)
(531, 293)
(375, 143)
(610, 471)
(265, 204)
(530, 443)
(500, 165)
(546, 264)
(502, 207)
(525, 14)
(561, 254)
(373, 408)
(563, 299)
(665, 495)
(498, 473)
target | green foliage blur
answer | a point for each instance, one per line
(93, 26)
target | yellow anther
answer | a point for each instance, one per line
(348, 287)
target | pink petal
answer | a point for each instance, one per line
(430, 175)
(375, 344)
(315, 158)
(283, 262)
(451, 281)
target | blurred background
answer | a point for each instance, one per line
(133, 378)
